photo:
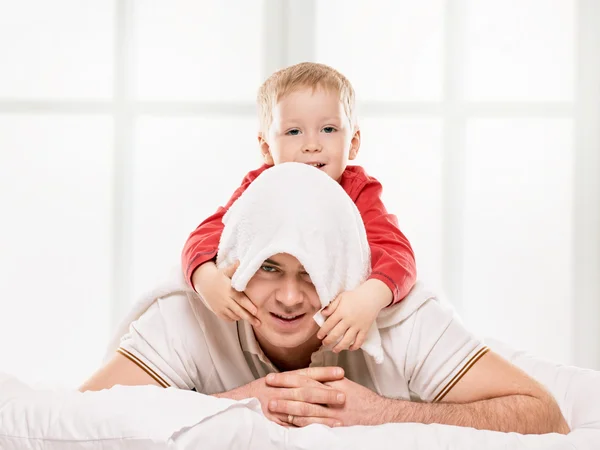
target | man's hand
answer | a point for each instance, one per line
(302, 388)
(214, 286)
(361, 406)
(352, 313)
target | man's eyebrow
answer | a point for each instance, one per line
(270, 261)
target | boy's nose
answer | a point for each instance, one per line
(312, 146)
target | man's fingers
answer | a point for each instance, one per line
(322, 374)
(336, 334)
(329, 324)
(300, 409)
(323, 395)
(346, 341)
(312, 376)
(290, 380)
(306, 421)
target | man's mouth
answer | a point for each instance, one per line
(287, 317)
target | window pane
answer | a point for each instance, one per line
(518, 233)
(391, 50)
(198, 50)
(183, 170)
(55, 188)
(58, 49)
(408, 163)
(520, 50)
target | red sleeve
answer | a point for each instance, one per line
(202, 245)
(392, 257)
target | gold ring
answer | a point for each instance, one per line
(290, 419)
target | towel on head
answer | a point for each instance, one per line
(297, 209)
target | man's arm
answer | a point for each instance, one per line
(492, 395)
(119, 370)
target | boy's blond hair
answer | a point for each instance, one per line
(303, 75)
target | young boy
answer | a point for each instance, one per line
(307, 115)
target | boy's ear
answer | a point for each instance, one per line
(354, 145)
(265, 150)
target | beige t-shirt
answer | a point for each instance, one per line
(179, 342)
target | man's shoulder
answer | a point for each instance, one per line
(417, 298)
(184, 312)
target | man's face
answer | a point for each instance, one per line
(311, 127)
(286, 300)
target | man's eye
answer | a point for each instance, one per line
(329, 129)
(293, 132)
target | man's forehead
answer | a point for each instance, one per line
(285, 260)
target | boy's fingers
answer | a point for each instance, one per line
(330, 309)
(230, 270)
(336, 334)
(241, 313)
(347, 340)
(329, 324)
(228, 315)
(359, 341)
(246, 303)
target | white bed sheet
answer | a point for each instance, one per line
(151, 418)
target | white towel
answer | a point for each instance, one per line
(298, 209)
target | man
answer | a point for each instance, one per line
(434, 371)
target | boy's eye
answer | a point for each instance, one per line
(329, 130)
(294, 132)
(269, 269)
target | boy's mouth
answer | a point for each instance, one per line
(317, 165)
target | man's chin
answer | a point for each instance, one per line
(287, 339)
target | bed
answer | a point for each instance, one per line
(146, 417)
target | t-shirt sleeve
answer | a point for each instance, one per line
(440, 352)
(162, 341)
(392, 257)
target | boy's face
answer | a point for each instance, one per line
(311, 127)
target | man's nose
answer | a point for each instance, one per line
(290, 293)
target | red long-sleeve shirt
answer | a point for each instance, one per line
(392, 258)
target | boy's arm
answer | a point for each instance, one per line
(202, 245)
(392, 257)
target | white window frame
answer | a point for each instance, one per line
(285, 22)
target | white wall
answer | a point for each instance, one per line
(123, 124)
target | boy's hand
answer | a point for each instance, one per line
(351, 314)
(214, 286)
